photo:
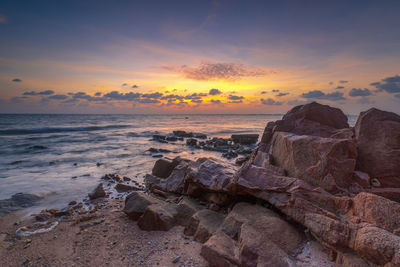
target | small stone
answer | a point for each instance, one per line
(375, 182)
(176, 259)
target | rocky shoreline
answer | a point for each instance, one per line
(314, 192)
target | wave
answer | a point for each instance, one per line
(60, 129)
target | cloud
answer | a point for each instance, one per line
(148, 101)
(217, 71)
(215, 101)
(198, 101)
(97, 94)
(135, 86)
(389, 84)
(58, 97)
(317, 94)
(359, 92)
(120, 96)
(339, 87)
(235, 97)
(124, 84)
(330, 83)
(155, 95)
(47, 92)
(343, 81)
(235, 101)
(16, 80)
(215, 91)
(270, 102)
(275, 90)
(263, 92)
(282, 94)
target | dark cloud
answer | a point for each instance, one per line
(282, 94)
(389, 84)
(330, 83)
(172, 97)
(359, 92)
(216, 71)
(148, 101)
(121, 96)
(155, 95)
(270, 102)
(317, 94)
(215, 101)
(343, 81)
(235, 101)
(97, 94)
(135, 86)
(124, 84)
(47, 92)
(58, 97)
(263, 92)
(339, 87)
(198, 101)
(17, 99)
(215, 91)
(275, 90)
(235, 97)
(16, 80)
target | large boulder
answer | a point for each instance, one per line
(136, 204)
(158, 217)
(186, 208)
(310, 119)
(203, 224)
(378, 143)
(163, 167)
(220, 251)
(325, 162)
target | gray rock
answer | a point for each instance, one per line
(97, 192)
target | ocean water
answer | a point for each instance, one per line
(63, 157)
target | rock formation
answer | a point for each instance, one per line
(338, 183)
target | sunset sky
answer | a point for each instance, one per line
(221, 56)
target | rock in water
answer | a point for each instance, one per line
(125, 188)
(245, 139)
(97, 192)
(378, 143)
(18, 201)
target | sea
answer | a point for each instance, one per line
(63, 157)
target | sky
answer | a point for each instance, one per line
(221, 56)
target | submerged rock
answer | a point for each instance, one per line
(246, 139)
(18, 201)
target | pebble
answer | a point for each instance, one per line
(176, 260)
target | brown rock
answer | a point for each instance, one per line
(377, 211)
(163, 167)
(324, 162)
(350, 260)
(136, 204)
(220, 251)
(362, 179)
(310, 119)
(378, 143)
(125, 188)
(203, 224)
(158, 217)
(97, 192)
(186, 208)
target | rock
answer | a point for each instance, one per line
(176, 259)
(220, 251)
(125, 188)
(182, 134)
(126, 179)
(163, 167)
(186, 208)
(38, 147)
(200, 135)
(172, 138)
(350, 260)
(97, 192)
(158, 217)
(230, 154)
(203, 224)
(136, 204)
(191, 142)
(245, 139)
(113, 177)
(241, 160)
(243, 212)
(325, 162)
(72, 203)
(377, 211)
(256, 236)
(158, 137)
(310, 119)
(362, 179)
(43, 216)
(378, 144)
